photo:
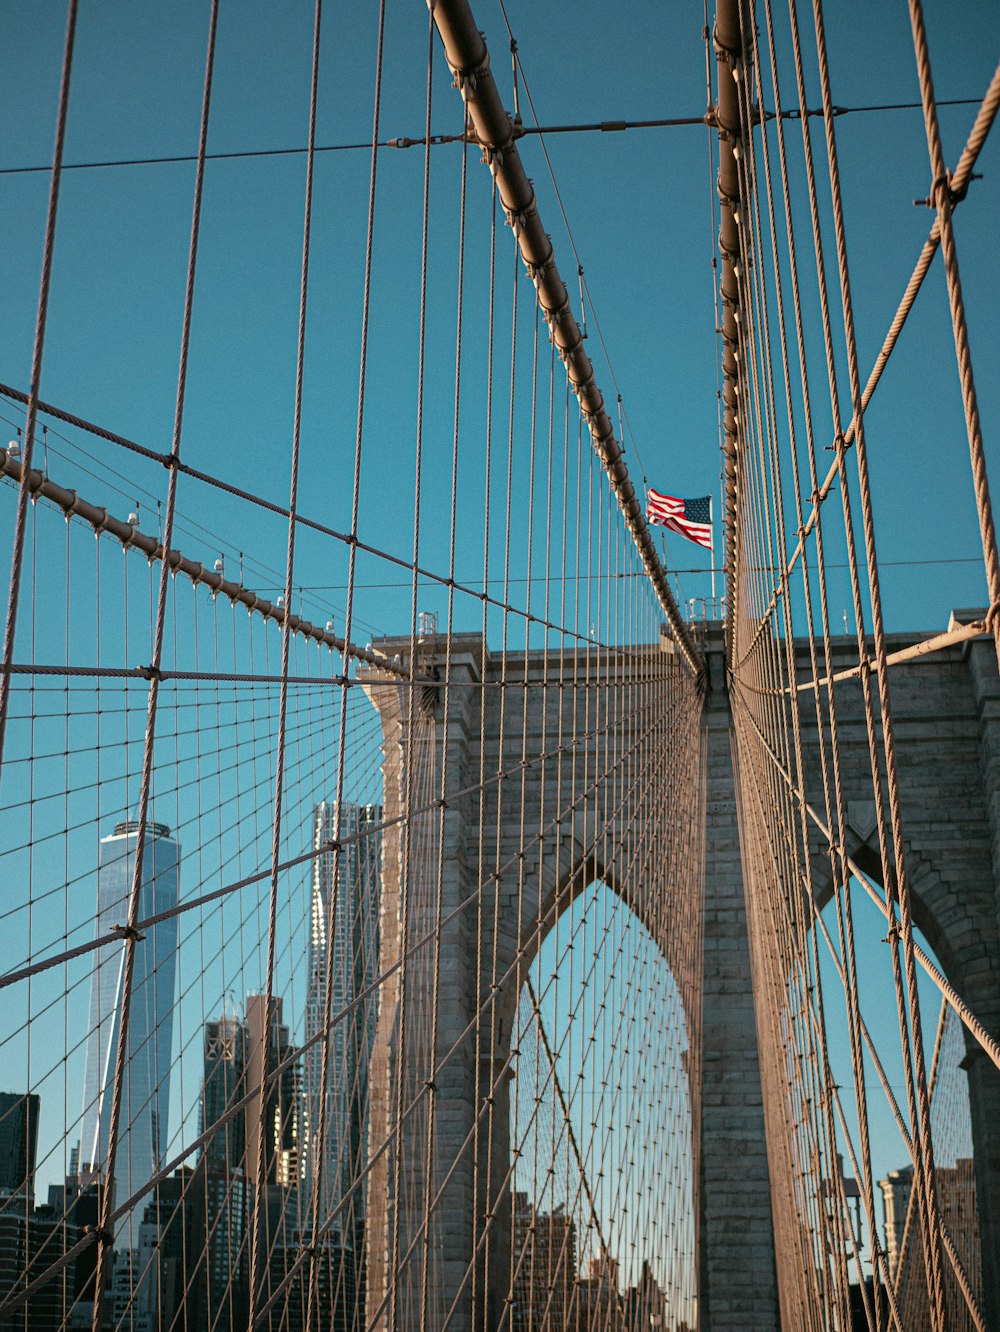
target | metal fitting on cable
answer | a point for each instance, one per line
(128, 932)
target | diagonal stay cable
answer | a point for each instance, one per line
(990, 1045)
(469, 61)
(10, 466)
(561, 1097)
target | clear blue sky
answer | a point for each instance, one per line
(639, 208)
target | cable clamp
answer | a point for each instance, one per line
(70, 508)
(731, 201)
(100, 1233)
(537, 271)
(943, 194)
(150, 672)
(469, 78)
(171, 460)
(517, 218)
(128, 932)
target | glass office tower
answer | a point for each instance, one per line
(343, 943)
(146, 1088)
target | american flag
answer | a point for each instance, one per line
(692, 518)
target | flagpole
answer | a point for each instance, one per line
(712, 525)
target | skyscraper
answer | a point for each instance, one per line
(275, 1131)
(18, 1144)
(146, 1087)
(281, 1124)
(344, 945)
(221, 1177)
(224, 1085)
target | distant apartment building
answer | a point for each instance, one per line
(223, 1086)
(955, 1187)
(545, 1298)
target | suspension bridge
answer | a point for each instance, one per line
(421, 909)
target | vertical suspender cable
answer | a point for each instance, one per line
(469, 60)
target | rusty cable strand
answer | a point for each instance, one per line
(827, 334)
(943, 199)
(815, 1022)
(512, 1260)
(766, 425)
(256, 1280)
(477, 1207)
(407, 875)
(446, 720)
(844, 915)
(807, 591)
(960, 179)
(672, 773)
(37, 354)
(349, 608)
(317, 1183)
(900, 887)
(991, 1047)
(502, 730)
(105, 1235)
(468, 59)
(760, 486)
(778, 1090)
(962, 633)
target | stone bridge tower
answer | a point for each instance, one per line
(593, 752)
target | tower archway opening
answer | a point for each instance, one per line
(603, 1172)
